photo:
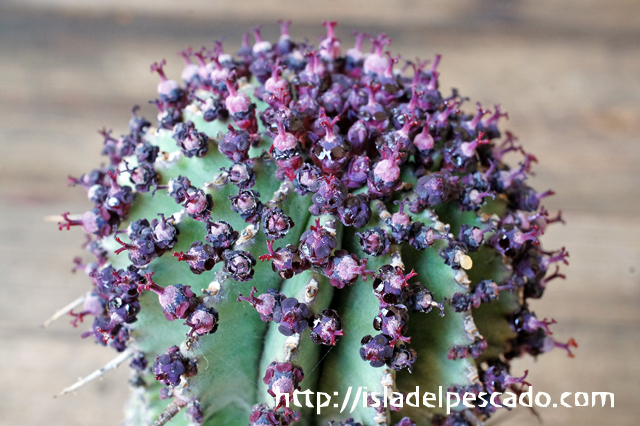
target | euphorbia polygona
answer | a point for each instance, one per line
(345, 200)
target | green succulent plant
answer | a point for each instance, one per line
(300, 219)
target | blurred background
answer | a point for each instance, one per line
(567, 71)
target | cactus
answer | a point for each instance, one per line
(303, 220)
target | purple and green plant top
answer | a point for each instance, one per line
(312, 217)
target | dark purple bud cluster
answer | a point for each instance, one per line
(374, 241)
(261, 415)
(325, 327)
(392, 288)
(197, 204)
(497, 379)
(190, 141)
(291, 315)
(114, 303)
(355, 211)
(400, 225)
(392, 321)
(287, 261)
(172, 365)
(177, 301)
(266, 304)
(276, 223)
(201, 257)
(203, 320)
(239, 264)
(142, 177)
(235, 144)
(241, 175)
(112, 204)
(534, 336)
(434, 189)
(316, 245)
(377, 350)
(248, 205)
(485, 291)
(348, 422)
(221, 234)
(475, 350)
(283, 379)
(345, 268)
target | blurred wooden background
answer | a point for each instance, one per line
(567, 71)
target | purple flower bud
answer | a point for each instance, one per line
(329, 193)
(497, 379)
(241, 175)
(306, 178)
(287, 261)
(165, 393)
(170, 366)
(357, 172)
(421, 299)
(374, 241)
(177, 301)
(248, 205)
(239, 264)
(345, 268)
(391, 285)
(316, 245)
(235, 144)
(139, 362)
(198, 204)
(221, 235)
(472, 236)
(194, 413)
(462, 302)
(331, 152)
(98, 222)
(165, 234)
(392, 321)
(276, 223)
(283, 379)
(263, 416)
(400, 224)
(423, 236)
(292, 316)
(169, 90)
(348, 422)
(266, 304)
(406, 421)
(192, 142)
(509, 240)
(178, 187)
(452, 254)
(402, 358)
(377, 350)
(384, 178)
(435, 189)
(147, 153)
(138, 124)
(355, 210)
(201, 257)
(202, 321)
(142, 249)
(474, 350)
(360, 136)
(325, 327)
(213, 108)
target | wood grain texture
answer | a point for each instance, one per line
(567, 71)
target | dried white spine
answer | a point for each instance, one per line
(122, 357)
